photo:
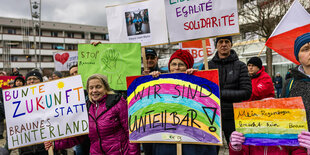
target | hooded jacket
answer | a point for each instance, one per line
(235, 83)
(262, 86)
(108, 130)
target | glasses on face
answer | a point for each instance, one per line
(150, 57)
(33, 79)
(180, 65)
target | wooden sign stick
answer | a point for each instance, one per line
(261, 51)
(179, 149)
(144, 59)
(205, 54)
(50, 151)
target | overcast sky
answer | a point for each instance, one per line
(90, 12)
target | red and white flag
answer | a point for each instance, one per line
(294, 23)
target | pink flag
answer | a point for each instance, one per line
(294, 23)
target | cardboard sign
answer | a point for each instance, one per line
(45, 112)
(189, 20)
(175, 108)
(4, 81)
(271, 122)
(140, 22)
(64, 60)
(116, 61)
(196, 50)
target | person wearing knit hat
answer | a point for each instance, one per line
(299, 84)
(33, 77)
(254, 65)
(180, 61)
(56, 75)
(234, 81)
(19, 81)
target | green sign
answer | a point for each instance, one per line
(116, 61)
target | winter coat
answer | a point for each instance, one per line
(235, 83)
(300, 87)
(262, 86)
(108, 130)
(279, 80)
(268, 150)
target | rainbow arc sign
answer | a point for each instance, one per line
(175, 108)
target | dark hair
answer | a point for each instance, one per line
(73, 66)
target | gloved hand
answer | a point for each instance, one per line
(304, 139)
(236, 140)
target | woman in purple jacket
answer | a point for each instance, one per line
(108, 122)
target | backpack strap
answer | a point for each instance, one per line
(289, 87)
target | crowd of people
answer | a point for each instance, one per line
(108, 111)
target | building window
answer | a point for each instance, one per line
(14, 58)
(70, 35)
(54, 34)
(83, 35)
(92, 36)
(11, 31)
(70, 47)
(57, 46)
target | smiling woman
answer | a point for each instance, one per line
(108, 121)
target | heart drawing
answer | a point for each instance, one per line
(62, 58)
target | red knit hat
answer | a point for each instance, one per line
(183, 55)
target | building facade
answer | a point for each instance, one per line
(18, 40)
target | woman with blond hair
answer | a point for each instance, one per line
(108, 121)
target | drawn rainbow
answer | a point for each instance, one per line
(175, 95)
(271, 122)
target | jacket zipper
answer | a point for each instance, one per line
(98, 129)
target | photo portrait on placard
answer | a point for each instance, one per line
(137, 22)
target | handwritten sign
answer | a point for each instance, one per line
(4, 81)
(116, 61)
(175, 108)
(140, 22)
(64, 60)
(45, 111)
(189, 20)
(271, 122)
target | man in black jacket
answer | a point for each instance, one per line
(235, 83)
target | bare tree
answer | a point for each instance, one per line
(261, 17)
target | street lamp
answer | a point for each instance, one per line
(35, 8)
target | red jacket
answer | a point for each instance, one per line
(262, 86)
(108, 132)
(268, 150)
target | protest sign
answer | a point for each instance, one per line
(4, 81)
(271, 122)
(64, 60)
(189, 20)
(139, 22)
(45, 111)
(174, 108)
(116, 61)
(196, 50)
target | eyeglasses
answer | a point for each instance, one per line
(33, 79)
(177, 64)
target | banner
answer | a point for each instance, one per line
(4, 81)
(271, 122)
(189, 20)
(64, 60)
(139, 22)
(196, 49)
(116, 61)
(175, 108)
(45, 112)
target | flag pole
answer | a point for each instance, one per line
(261, 51)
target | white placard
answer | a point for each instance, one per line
(64, 60)
(141, 22)
(45, 111)
(194, 19)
